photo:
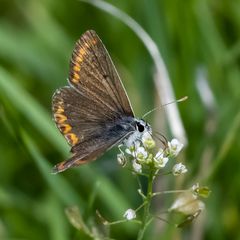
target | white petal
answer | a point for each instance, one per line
(128, 151)
(160, 162)
(179, 169)
(137, 167)
(164, 161)
(129, 214)
(142, 151)
(195, 186)
(175, 147)
(159, 154)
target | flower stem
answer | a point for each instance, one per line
(170, 191)
(147, 203)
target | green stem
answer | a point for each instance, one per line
(170, 191)
(147, 203)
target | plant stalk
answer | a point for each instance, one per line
(147, 201)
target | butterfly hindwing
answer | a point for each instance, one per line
(89, 150)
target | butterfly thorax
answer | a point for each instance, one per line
(129, 128)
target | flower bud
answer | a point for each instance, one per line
(121, 159)
(201, 191)
(130, 214)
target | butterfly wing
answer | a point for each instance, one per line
(90, 149)
(92, 73)
(86, 111)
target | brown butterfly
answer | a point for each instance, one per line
(93, 112)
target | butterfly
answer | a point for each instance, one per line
(94, 113)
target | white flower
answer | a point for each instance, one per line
(132, 149)
(136, 166)
(174, 147)
(179, 169)
(129, 214)
(148, 141)
(159, 160)
(141, 153)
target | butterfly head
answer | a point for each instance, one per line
(142, 127)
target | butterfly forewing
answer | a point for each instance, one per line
(93, 73)
(86, 111)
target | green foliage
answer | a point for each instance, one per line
(36, 40)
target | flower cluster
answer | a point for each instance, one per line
(142, 154)
(148, 160)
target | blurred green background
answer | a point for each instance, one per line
(36, 40)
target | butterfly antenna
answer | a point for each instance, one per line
(164, 105)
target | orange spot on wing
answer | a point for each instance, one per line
(76, 68)
(65, 128)
(59, 110)
(79, 59)
(72, 138)
(75, 80)
(75, 77)
(60, 118)
(82, 51)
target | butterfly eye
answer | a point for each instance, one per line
(140, 127)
